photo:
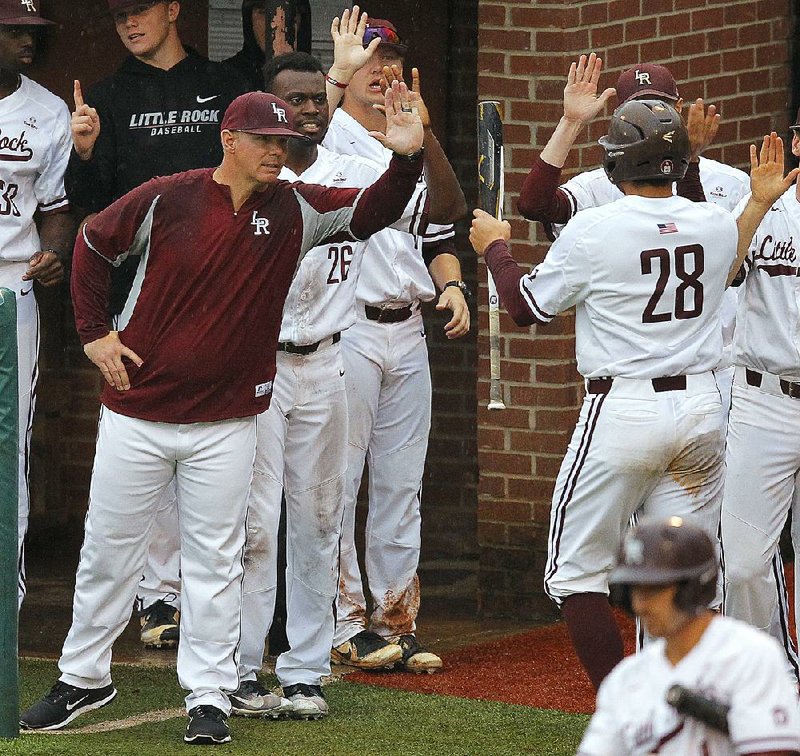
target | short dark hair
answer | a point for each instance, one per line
(293, 61)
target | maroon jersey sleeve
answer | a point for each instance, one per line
(507, 274)
(109, 238)
(689, 186)
(540, 198)
(329, 213)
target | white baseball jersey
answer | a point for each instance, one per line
(674, 257)
(768, 319)
(723, 185)
(732, 663)
(394, 270)
(35, 143)
(322, 297)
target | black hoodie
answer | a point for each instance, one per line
(152, 123)
(249, 61)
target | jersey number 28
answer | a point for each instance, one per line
(688, 264)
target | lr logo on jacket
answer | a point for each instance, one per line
(261, 225)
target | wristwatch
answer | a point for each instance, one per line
(459, 285)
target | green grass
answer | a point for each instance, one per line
(364, 720)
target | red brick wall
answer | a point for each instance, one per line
(734, 54)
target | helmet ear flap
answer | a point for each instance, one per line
(620, 596)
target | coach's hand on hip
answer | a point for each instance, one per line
(107, 354)
(486, 229)
(404, 132)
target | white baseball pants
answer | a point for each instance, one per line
(301, 450)
(161, 576)
(134, 464)
(28, 372)
(389, 407)
(634, 450)
(763, 459)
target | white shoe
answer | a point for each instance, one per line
(307, 701)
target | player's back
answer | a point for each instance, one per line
(657, 270)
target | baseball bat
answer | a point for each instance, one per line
(699, 707)
(490, 188)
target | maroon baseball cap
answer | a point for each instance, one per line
(21, 13)
(389, 36)
(259, 113)
(646, 79)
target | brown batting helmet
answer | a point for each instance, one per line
(646, 140)
(666, 552)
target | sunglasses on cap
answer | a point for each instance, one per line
(387, 35)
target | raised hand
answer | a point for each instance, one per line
(404, 132)
(767, 181)
(702, 126)
(85, 125)
(414, 94)
(581, 103)
(349, 54)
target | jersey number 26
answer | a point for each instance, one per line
(688, 264)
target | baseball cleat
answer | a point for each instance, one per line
(207, 725)
(160, 623)
(62, 704)
(307, 701)
(252, 699)
(416, 658)
(367, 650)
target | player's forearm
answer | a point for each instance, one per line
(447, 203)
(56, 232)
(557, 149)
(507, 275)
(747, 224)
(385, 201)
(443, 268)
(540, 198)
(689, 186)
(90, 286)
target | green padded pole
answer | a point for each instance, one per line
(9, 506)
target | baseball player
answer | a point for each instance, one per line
(302, 438)
(733, 697)
(388, 384)
(542, 199)
(158, 114)
(33, 157)
(647, 275)
(762, 455)
(192, 366)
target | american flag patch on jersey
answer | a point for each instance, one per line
(667, 228)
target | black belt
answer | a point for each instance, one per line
(386, 315)
(287, 346)
(669, 383)
(754, 378)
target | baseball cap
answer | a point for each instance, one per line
(21, 13)
(120, 5)
(386, 30)
(259, 113)
(646, 79)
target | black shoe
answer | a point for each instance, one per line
(208, 725)
(367, 650)
(307, 701)
(62, 704)
(160, 623)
